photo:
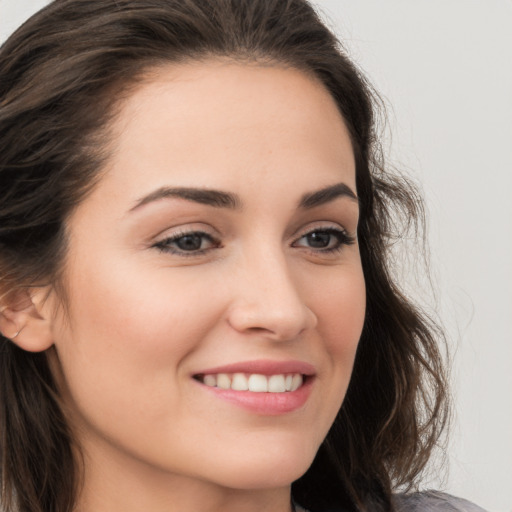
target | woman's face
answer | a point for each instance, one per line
(218, 251)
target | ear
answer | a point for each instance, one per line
(25, 319)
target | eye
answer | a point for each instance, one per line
(189, 244)
(325, 240)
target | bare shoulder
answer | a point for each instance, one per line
(433, 501)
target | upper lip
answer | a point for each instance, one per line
(263, 367)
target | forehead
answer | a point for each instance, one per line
(223, 123)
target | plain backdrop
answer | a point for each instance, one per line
(445, 69)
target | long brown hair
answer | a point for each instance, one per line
(63, 75)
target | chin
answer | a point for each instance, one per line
(270, 468)
(269, 478)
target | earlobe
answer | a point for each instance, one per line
(25, 320)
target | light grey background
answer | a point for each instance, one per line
(445, 67)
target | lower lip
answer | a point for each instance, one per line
(270, 404)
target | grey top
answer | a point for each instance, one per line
(434, 501)
(428, 501)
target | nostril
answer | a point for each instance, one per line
(258, 330)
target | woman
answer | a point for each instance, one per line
(197, 309)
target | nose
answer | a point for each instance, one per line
(267, 300)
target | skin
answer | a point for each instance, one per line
(141, 321)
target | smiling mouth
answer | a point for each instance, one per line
(254, 382)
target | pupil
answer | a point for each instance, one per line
(319, 240)
(189, 242)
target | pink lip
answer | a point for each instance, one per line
(263, 367)
(269, 404)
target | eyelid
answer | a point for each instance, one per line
(163, 243)
(343, 236)
(322, 226)
(183, 229)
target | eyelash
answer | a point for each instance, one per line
(166, 244)
(341, 236)
(342, 239)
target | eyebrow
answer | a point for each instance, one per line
(215, 198)
(326, 195)
(220, 199)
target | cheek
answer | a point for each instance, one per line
(340, 311)
(128, 334)
(139, 310)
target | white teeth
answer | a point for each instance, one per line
(223, 381)
(239, 382)
(258, 383)
(296, 381)
(276, 384)
(210, 380)
(255, 382)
